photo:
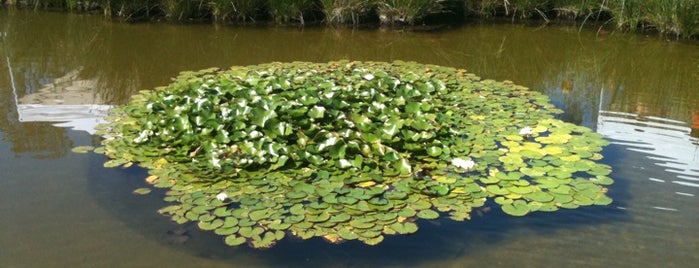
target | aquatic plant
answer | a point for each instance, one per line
(350, 150)
(283, 11)
(241, 10)
(676, 17)
(184, 9)
(345, 11)
(406, 11)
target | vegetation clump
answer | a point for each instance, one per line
(677, 17)
(350, 150)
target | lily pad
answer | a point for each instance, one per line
(142, 191)
(350, 150)
(517, 208)
(233, 240)
(428, 214)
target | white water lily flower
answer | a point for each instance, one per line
(525, 131)
(368, 76)
(222, 196)
(462, 163)
(216, 162)
(143, 136)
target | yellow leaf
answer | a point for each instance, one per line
(478, 117)
(151, 179)
(158, 164)
(332, 238)
(366, 184)
(514, 137)
(513, 196)
(552, 150)
(444, 179)
(570, 158)
(458, 190)
(539, 129)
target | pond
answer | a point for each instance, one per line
(59, 72)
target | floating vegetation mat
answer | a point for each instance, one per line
(350, 150)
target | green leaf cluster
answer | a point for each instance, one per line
(349, 150)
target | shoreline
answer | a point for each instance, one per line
(674, 21)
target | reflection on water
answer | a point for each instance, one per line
(666, 143)
(72, 212)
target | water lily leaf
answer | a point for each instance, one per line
(602, 200)
(372, 241)
(540, 197)
(496, 190)
(296, 195)
(142, 191)
(225, 231)
(428, 214)
(600, 170)
(316, 112)
(405, 227)
(221, 212)
(503, 200)
(82, 149)
(434, 151)
(347, 234)
(170, 209)
(517, 208)
(552, 150)
(212, 225)
(233, 240)
(407, 212)
(602, 180)
(115, 163)
(258, 215)
(554, 139)
(230, 222)
(361, 223)
(403, 166)
(350, 150)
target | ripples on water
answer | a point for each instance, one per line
(64, 210)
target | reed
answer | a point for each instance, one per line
(178, 10)
(406, 11)
(238, 10)
(678, 18)
(673, 17)
(345, 11)
(284, 11)
(575, 9)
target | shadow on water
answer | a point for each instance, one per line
(438, 240)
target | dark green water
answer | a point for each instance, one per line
(60, 209)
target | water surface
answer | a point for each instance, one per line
(60, 209)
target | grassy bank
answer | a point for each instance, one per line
(679, 18)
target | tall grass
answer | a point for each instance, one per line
(675, 17)
(406, 11)
(345, 11)
(284, 11)
(238, 10)
(667, 17)
(177, 10)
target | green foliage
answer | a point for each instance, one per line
(670, 17)
(183, 9)
(284, 11)
(241, 10)
(350, 150)
(678, 17)
(345, 11)
(407, 11)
